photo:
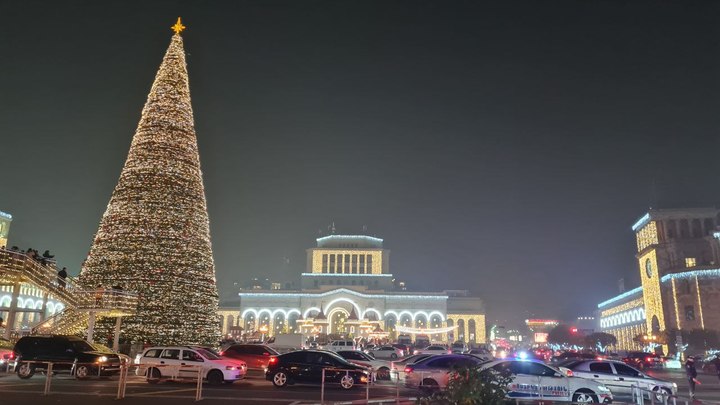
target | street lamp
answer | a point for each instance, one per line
(264, 330)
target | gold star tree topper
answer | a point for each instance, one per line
(178, 27)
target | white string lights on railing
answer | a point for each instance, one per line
(154, 238)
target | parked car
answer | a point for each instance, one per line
(386, 352)
(156, 363)
(306, 367)
(286, 342)
(484, 354)
(255, 356)
(618, 376)
(7, 356)
(69, 354)
(458, 347)
(534, 379)
(672, 363)
(643, 360)
(570, 355)
(124, 358)
(380, 367)
(398, 367)
(434, 349)
(433, 373)
(336, 345)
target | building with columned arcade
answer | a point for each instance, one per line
(348, 290)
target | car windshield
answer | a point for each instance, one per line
(208, 354)
(81, 346)
(369, 355)
(338, 358)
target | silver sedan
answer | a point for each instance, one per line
(386, 352)
(619, 377)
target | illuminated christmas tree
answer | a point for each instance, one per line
(154, 238)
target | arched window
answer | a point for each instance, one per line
(696, 228)
(709, 226)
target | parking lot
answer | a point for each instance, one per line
(65, 389)
(254, 389)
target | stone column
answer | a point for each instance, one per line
(12, 311)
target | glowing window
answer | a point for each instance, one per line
(690, 262)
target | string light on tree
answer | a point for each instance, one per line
(154, 237)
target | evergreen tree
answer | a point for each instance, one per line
(154, 238)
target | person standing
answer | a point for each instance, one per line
(62, 275)
(691, 373)
(716, 363)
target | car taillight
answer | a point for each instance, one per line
(648, 359)
(408, 370)
(569, 373)
(599, 358)
(273, 360)
(12, 355)
(222, 353)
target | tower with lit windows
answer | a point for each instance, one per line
(676, 248)
(356, 261)
(678, 256)
(5, 220)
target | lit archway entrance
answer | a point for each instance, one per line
(338, 317)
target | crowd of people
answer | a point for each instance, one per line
(46, 259)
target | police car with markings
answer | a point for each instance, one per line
(535, 380)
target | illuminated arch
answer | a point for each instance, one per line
(38, 304)
(392, 313)
(260, 312)
(279, 311)
(410, 314)
(59, 307)
(379, 315)
(336, 300)
(5, 301)
(423, 313)
(332, 313)
(249, 311)
(307, 311)
(438, 313)
(290, 311)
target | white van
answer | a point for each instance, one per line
(336, 345)
(286, 342)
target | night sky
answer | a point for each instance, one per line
(504, 147)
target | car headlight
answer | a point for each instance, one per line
(102, 359)
(603, 388)
(230, 368)
(674, 386)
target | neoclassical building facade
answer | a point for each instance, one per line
(678, 256)
(348, 290)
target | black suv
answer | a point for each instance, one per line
(306, 366)
(67, 353)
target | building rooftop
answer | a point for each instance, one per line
(674, 213)
(350, 241)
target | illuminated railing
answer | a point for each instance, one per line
(21, 268)
(16, 267)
